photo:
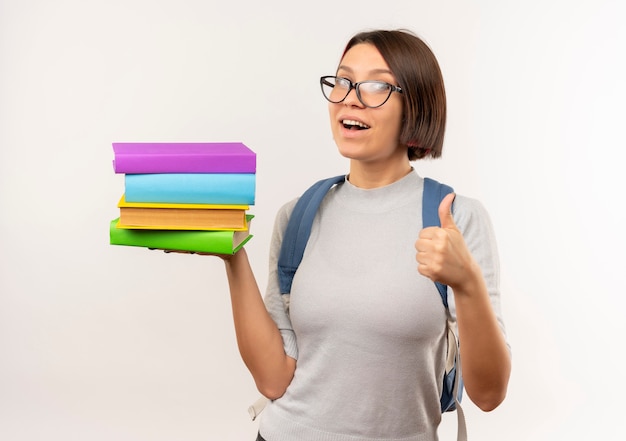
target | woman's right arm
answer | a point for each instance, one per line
(259, 340)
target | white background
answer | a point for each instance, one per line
(115, 343)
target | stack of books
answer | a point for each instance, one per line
(190, 197)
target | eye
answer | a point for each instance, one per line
(375, 87)
(342, 83)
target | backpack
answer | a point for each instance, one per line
(292, 249)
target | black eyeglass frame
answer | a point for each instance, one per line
(356, 87)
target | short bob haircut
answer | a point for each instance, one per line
(417, 71)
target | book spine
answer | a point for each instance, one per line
(218, 242)
(183, 158)
(191, 188)
(182, 219)
(183, 164)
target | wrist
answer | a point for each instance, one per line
(471, 284)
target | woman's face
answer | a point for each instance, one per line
(375, 137)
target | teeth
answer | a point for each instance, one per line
(349, 122)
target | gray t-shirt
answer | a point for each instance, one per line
(367, 330)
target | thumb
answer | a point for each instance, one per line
(445, 211)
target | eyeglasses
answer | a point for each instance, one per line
(370, 93)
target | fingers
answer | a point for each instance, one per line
(428, 253)
(199, 253)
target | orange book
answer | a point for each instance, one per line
(169, 216)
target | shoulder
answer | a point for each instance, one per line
(474, 222)
(282, 220)
(311, 193)
(284, 212)
(466, 209)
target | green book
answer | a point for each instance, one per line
(214, 241)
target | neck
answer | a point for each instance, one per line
(371, 176)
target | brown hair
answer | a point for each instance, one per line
(417, 71)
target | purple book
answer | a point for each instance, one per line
(183, 157)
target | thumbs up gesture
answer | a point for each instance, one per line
(442, 254)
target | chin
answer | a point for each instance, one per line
(349, 153)
(348, 149)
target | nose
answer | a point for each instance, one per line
(352, 99)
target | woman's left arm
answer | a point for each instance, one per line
(443, 256)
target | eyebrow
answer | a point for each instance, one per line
(374, 71)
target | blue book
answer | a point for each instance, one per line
(191, 188)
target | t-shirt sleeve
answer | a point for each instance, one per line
(475, 224)
(275, 302)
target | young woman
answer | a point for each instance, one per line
(359, 354)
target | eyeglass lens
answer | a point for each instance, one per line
(370, 93)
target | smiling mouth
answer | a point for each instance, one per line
(354, 125)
